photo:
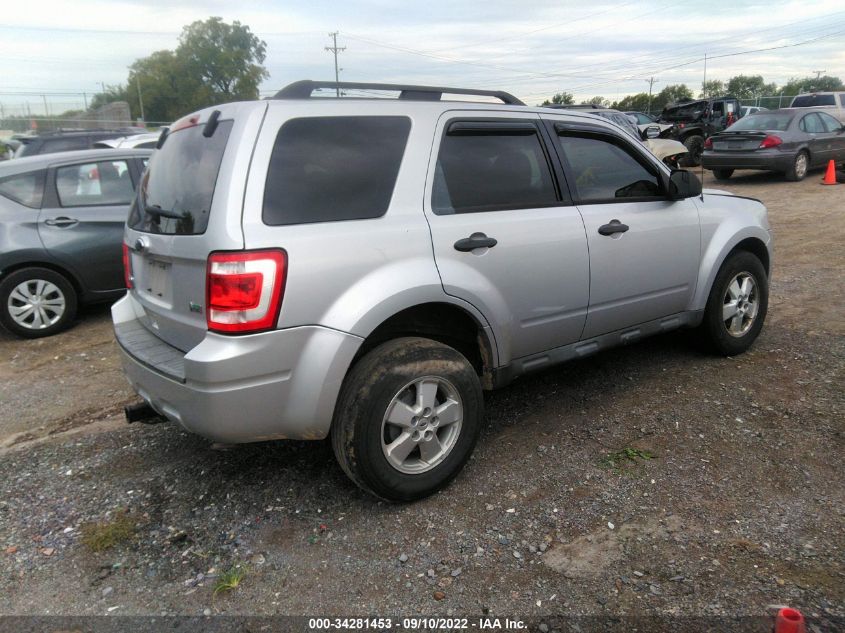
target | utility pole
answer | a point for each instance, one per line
(819, 73)
(85, 98)
(334, 49)
(140, 98)
(651, 81)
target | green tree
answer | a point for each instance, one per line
(167, 88)
(806, 84)
(561, 98)
(712, 88)
(750, 86)
(112, 93)
(635, 103)
(599, 101)
(670, 94)
(215, 62)
(226, 58)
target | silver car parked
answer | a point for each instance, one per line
(364, 268)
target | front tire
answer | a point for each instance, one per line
(723, 174)
(407, 419)
(36, 302)
(800, 165)
(695, 148)
(737, 305)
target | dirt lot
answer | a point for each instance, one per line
(651, 479)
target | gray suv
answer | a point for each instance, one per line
(305, 267)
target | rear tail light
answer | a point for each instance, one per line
(770, 141)
(708, 142)
(127, 267)
(244, 290)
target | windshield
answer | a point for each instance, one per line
(762, 122)
(177, 188)
(808, 101)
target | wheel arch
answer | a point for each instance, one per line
(754, 240)
(445, 322)
(49, 265)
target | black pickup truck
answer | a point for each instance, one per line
(694, 120)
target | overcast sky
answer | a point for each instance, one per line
(530, 49)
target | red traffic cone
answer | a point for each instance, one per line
(789, 621)
(830, 174)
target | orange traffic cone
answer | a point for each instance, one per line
(830, 174)
(789, 621)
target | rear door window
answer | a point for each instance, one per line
(489, 168)
(326, 169)
(93, 184)
(26, 189)
(178, 186)
(812, 124)
(830, 124)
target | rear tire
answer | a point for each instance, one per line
(407, 419)
(799, 168)
(722, 174)
(36, 302)
(737, 305)
(695, 148)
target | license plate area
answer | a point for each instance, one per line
(158, 280)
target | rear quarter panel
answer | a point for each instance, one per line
(352, 275)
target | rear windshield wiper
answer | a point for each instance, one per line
(154, 209)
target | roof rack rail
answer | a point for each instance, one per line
(303, 89)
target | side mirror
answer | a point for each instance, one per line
(683, 184)
(652, 131)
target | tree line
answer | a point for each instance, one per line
(740, 86)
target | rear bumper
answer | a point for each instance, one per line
(759, 159)
(274, 385)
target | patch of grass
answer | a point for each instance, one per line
(230, 580)
(627, 455)
(102, 536)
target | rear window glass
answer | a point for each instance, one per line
(26, 189)
(64, 144)
(178, 186)
(807, 101)
(763, 121)
(326, 169)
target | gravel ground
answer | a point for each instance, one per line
(651, 479)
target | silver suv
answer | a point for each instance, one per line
(365, 267)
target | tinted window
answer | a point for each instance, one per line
(830, 124)
(491, 171)
(177, 188)
(842, 99)
(326, 169)
(105, 182)
(762, 121)
(812, 124)
(64, 144)
(807, 101)
(603, 171)
(26, 189)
